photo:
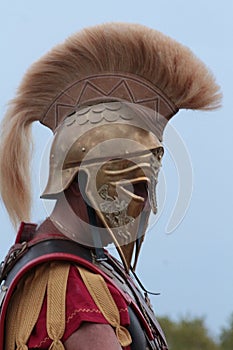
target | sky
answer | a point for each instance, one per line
(188, 261)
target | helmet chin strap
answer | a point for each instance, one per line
(140, 236)
(99, 251)
(96, 238)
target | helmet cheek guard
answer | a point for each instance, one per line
(121, 192)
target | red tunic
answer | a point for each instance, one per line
(80, 307)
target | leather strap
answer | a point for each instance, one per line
(24, 308)
(101, 295)
(50, 246)
(56, 304)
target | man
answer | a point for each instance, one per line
(107, 93)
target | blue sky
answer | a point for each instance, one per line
(191, 266)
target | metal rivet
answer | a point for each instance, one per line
(83, 149)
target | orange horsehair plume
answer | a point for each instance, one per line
(113, 47)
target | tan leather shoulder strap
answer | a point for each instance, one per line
(101, 295)
(56, 303)
(25, 308)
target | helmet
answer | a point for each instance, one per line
(112, 143)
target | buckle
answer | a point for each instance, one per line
(3, 290)
(15, 252)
